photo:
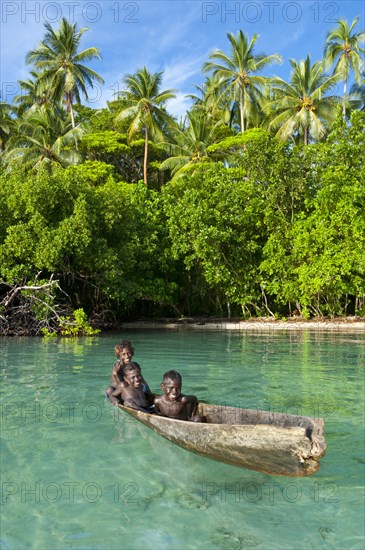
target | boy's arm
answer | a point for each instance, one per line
(156, 402)
(128, 398)
(191, 404)
(146, 387)
(114, 395)
(130, 401)
(115, 380)
(133, 405)
(150, 397)
(124, 397)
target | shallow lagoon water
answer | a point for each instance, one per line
(77, 473)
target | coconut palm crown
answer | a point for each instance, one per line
(146, 107)
(357, 94)
(190, 143)
(43, 138)
(211, 102)
(302, 109)
(34, 95)
(344, 51)
(60, 64)
(6, 124)
(240, 81)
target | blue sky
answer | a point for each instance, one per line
(173, 36)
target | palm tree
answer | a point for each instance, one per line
(191, 140)
(302, 107)
(33, 94)
(241, 84)
(343, 49)
(60, 64)
(357, 94)
(6, 124)
(43, 137)
(146, 108)
(211, 102)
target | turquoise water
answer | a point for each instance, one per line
(76, 473)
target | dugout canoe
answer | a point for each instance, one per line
(269, 442)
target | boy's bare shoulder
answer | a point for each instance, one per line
(125, 388)
(188, 398)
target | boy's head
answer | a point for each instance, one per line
(171, 385)
(132, 374)
(124, 351)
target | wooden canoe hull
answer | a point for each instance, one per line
(272, 443)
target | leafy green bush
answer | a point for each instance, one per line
(78, 326)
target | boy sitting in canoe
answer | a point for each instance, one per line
(130, 392)
(124, 352)
(173, 403)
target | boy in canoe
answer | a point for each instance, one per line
(124, 352)
(131, 391)
(173, 403)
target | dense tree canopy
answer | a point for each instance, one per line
(234, 221)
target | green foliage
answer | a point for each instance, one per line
(102, 120)
(317, 262)
(263, 226)
(43, 138)
(59, 61)
(254, 135)
(106, 142)
(78, 326)
(103, 239)
(41, 302)
(233, 148)
(125, 159)
(47, 333)
(188, 144)
(96, 172)
(214, 221)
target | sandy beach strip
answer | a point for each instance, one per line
(344, 324)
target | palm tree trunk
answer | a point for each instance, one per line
(69, 108)
(344, 98)
(305, 136)
(72, 116)
(241, 115)
(145, 157)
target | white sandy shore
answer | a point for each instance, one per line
(344, 324)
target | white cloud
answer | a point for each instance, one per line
(179, 106)
(176, 73)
